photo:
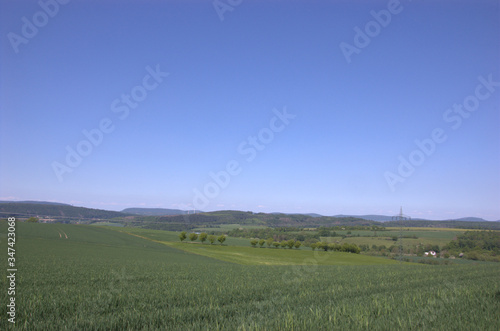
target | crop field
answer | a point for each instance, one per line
(92, 278)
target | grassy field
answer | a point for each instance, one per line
(432, 236)
(277, 256)
(172, 236)
(387, 241)
(73, 277)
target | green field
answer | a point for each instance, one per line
(77, 277)
(278, 256)
(387, 241)
(439, 237)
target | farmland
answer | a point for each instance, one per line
(272, 256)
(105, 278)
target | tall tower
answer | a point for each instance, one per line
(401, 218)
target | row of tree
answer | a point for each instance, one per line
(476, 245)
(202, 236)
(271, 242)
(345, 247)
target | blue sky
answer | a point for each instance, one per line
(261, 105)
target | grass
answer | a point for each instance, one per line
(160, 235)
(387, 241)
(103, 279)
(277, 256)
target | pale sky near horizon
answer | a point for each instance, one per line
(329, 107)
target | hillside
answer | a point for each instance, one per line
(385, 218)
(55, 211)
(179, 220)
(157, 211)
(38, 202)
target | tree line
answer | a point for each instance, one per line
(345, 247)
(202, 236)
(271, 242)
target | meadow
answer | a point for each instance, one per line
(103, 278)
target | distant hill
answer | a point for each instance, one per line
(176, 219)
(156, 211)
(309, 214)
(376, 218)
(470, 219)
(38, 202)
(55, 211)
(383, 218)
(314, 215)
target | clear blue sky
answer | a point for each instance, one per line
(356, 104)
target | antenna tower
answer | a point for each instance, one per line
(400, 218)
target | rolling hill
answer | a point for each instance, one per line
(179, 220)
(55, 211)
(157, 211)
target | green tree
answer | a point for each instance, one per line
(182, 236)
(32, 220)
(297, 244)
(269, 242)
(254, 242)
(262, 242)
(221, 238)
(290, 243)
(283, 243)
(313, 246)
(212, 239)
(193, 236)
(322, 245)
(323, 231)
(276, 244)
(203, 237)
